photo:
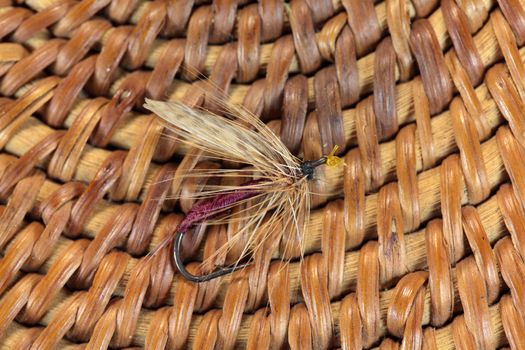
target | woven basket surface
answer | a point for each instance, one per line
(418, 242)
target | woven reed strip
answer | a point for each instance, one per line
(140, 7)
(484, 41)
(489, 52)
(482, 212)
(60, 254)
(443, 335)
(213, 51)
(491, 219)
(315, 235)
(429, 198)
(33, 131)
(388, 157)
(20, 335)
(365, 67)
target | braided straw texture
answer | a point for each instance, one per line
(417, 243)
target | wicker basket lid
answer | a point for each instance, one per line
(417, 242)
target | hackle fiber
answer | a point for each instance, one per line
(416, 243)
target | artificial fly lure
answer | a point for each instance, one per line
(277, 181)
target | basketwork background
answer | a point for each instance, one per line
(418, 243)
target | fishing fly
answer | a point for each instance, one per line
(276, 185)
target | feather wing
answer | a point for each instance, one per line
(246, 140)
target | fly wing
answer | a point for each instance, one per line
(246, 140)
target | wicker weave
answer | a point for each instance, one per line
(417, 243)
